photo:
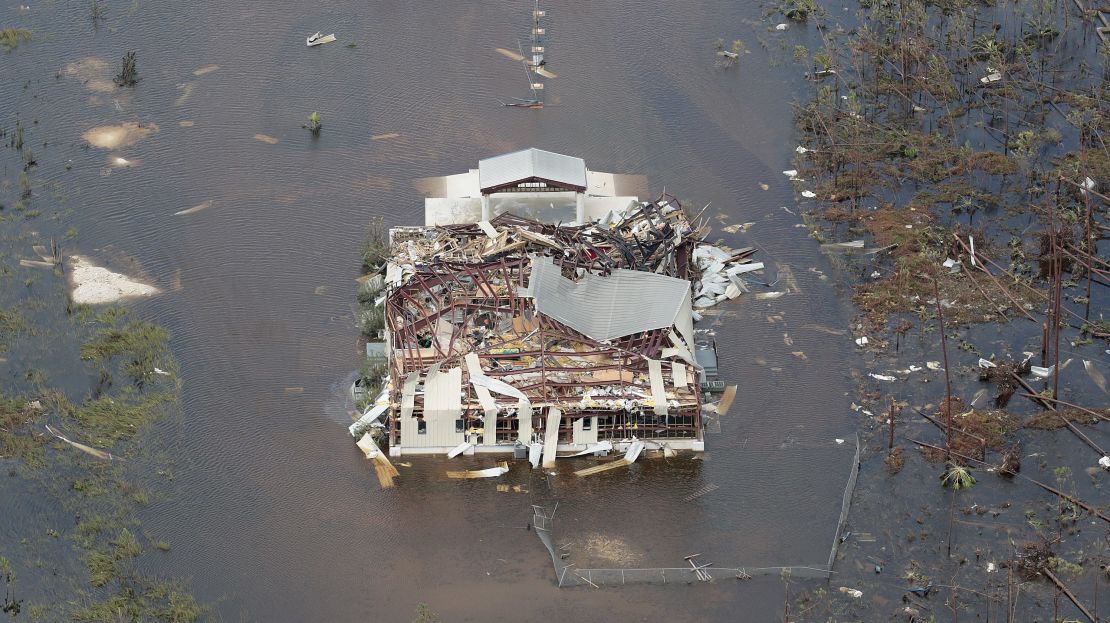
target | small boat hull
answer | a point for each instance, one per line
(316, 40)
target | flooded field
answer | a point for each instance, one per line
(251, 228)
(201, 182)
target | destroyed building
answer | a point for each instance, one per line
(538, 309)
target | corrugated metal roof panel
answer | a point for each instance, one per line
(604, 308)
(529, 163)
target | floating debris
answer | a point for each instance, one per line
(207, 69)
(194, 209)
(492, 472)
(384, 137)
(266, 139)
(882, 377)
(318, 39)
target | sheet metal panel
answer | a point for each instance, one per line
(604, 308)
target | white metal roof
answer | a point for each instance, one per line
(518, 166)
(604, 308)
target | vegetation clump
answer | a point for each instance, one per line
(129, 71)
(10, 38)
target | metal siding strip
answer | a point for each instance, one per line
(678, 373)
(551, 436)
(658, 387)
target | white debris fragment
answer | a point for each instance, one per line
(1104, 462)
(782, 26)
(914, 368)
(802, 150)
(1088, 184)
(881, 377)
(861, 341)
(809, 194)
(161, 371)
(838, 441)
(791, 173)
(952, 265)
(985, 363)
(932, 365)
(851, 591)
(991, 567)
(994, 76)
(1042, 373)
(876, 274)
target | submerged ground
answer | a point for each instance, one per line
(252, 229)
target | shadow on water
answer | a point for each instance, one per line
(276, 513)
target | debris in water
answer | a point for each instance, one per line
(1095, 375)
(809, 194)
(881, 377)
(851, 591)
(196, 208)
(801, 150)
(1042, 373)
(94, 285)
(100, 454)
(492, 472)
(791, 173)
(116, 136)
(161, 371)
(933, 365)
(265, 139)
(768, 295)
(207, 69)
(383, 137)
(986, 363)
(1104, 462)
(782, 26)
(318, 39)
(117, 161)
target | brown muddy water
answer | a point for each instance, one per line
(275, 515)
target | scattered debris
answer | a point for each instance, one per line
(882, 377)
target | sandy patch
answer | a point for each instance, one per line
(94, 73)
(115, 136)
(207, 69)
(186, 89)
(613, 549)
(95, 285)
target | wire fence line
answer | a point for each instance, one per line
(568, 574)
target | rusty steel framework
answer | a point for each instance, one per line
(464, 289)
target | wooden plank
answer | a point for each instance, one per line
(726, 400)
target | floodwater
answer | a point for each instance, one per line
(275, 513)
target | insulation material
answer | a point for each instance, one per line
(658, 387)
(524, 416)
(489, 406)
(678, 373)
